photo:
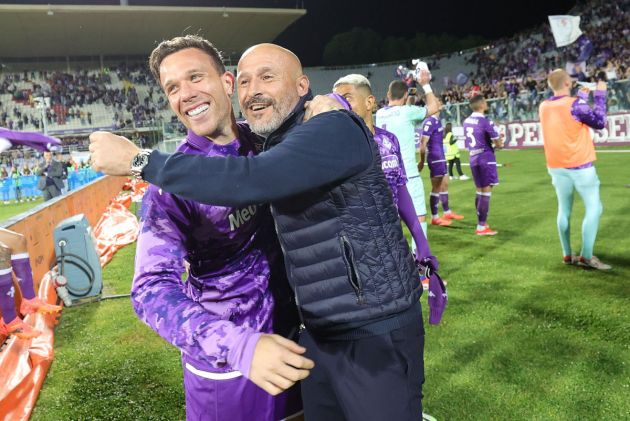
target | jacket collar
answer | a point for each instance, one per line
(293, 119)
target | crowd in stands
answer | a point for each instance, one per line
(515, 69)
(70, 92)
(511, 70)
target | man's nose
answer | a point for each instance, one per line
(187, 91)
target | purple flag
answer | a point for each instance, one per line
(33, 140)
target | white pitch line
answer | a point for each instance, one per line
(609, 151)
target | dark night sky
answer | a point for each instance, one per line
(491, 18)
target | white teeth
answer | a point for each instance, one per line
(198, 110)
(258, 107)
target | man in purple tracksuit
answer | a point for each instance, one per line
(357, 91)
(219, 315)
(481, 139)
(432, 141)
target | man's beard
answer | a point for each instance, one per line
(280, 110)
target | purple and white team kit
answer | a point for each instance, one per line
(436, 160)
(216, 316)
(392, 163)
(479, 132)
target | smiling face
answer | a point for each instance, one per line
(198, 94)
(270, 83)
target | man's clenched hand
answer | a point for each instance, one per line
(278, 364)
(320, 104)
(112, 154)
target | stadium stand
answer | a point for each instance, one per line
(511, 72)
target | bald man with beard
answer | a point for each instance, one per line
(354, 278)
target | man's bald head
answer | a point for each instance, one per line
(287, 58)
(559, 80)
(270, 84)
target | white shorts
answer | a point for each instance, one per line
(416, 191)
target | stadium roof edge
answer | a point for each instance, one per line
(71, 30)
(36, 8)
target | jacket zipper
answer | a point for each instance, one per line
(297, 300)
(353, 273)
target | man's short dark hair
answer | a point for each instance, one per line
(476, 101)
(168, 47)
(397, 89)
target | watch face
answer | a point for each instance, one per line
(140, 160)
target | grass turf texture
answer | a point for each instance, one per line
(11, 209)
(524, 337)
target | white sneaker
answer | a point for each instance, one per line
(450, 177)
(427, 417)
(464, 177)
(594, 263)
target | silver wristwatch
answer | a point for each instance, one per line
(139, 162)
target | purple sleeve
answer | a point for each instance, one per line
(593, 117)
(344, 102)
(157, 292)
(408, 215)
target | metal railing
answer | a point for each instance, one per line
(524, 106)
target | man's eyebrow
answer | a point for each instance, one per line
(265, 70)
(188, 73)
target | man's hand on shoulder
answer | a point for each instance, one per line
(112, 154)
(320, 104)
(278, 364)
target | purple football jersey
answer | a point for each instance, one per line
(432, 128)
(479, 132)
(218, 314)
(392, 162)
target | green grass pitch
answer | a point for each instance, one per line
(524, 337)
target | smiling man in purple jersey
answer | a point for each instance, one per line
(221, 318)
(433, 141)
(356, 89)
(481, 139)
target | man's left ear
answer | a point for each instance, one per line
(370, 102)
(302, 85)
(229, 82)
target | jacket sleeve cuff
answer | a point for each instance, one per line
(152, 170)
(242, 354)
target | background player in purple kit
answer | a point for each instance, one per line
(356, 89)
(433, 141)
(481, 139)
(221, 318)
